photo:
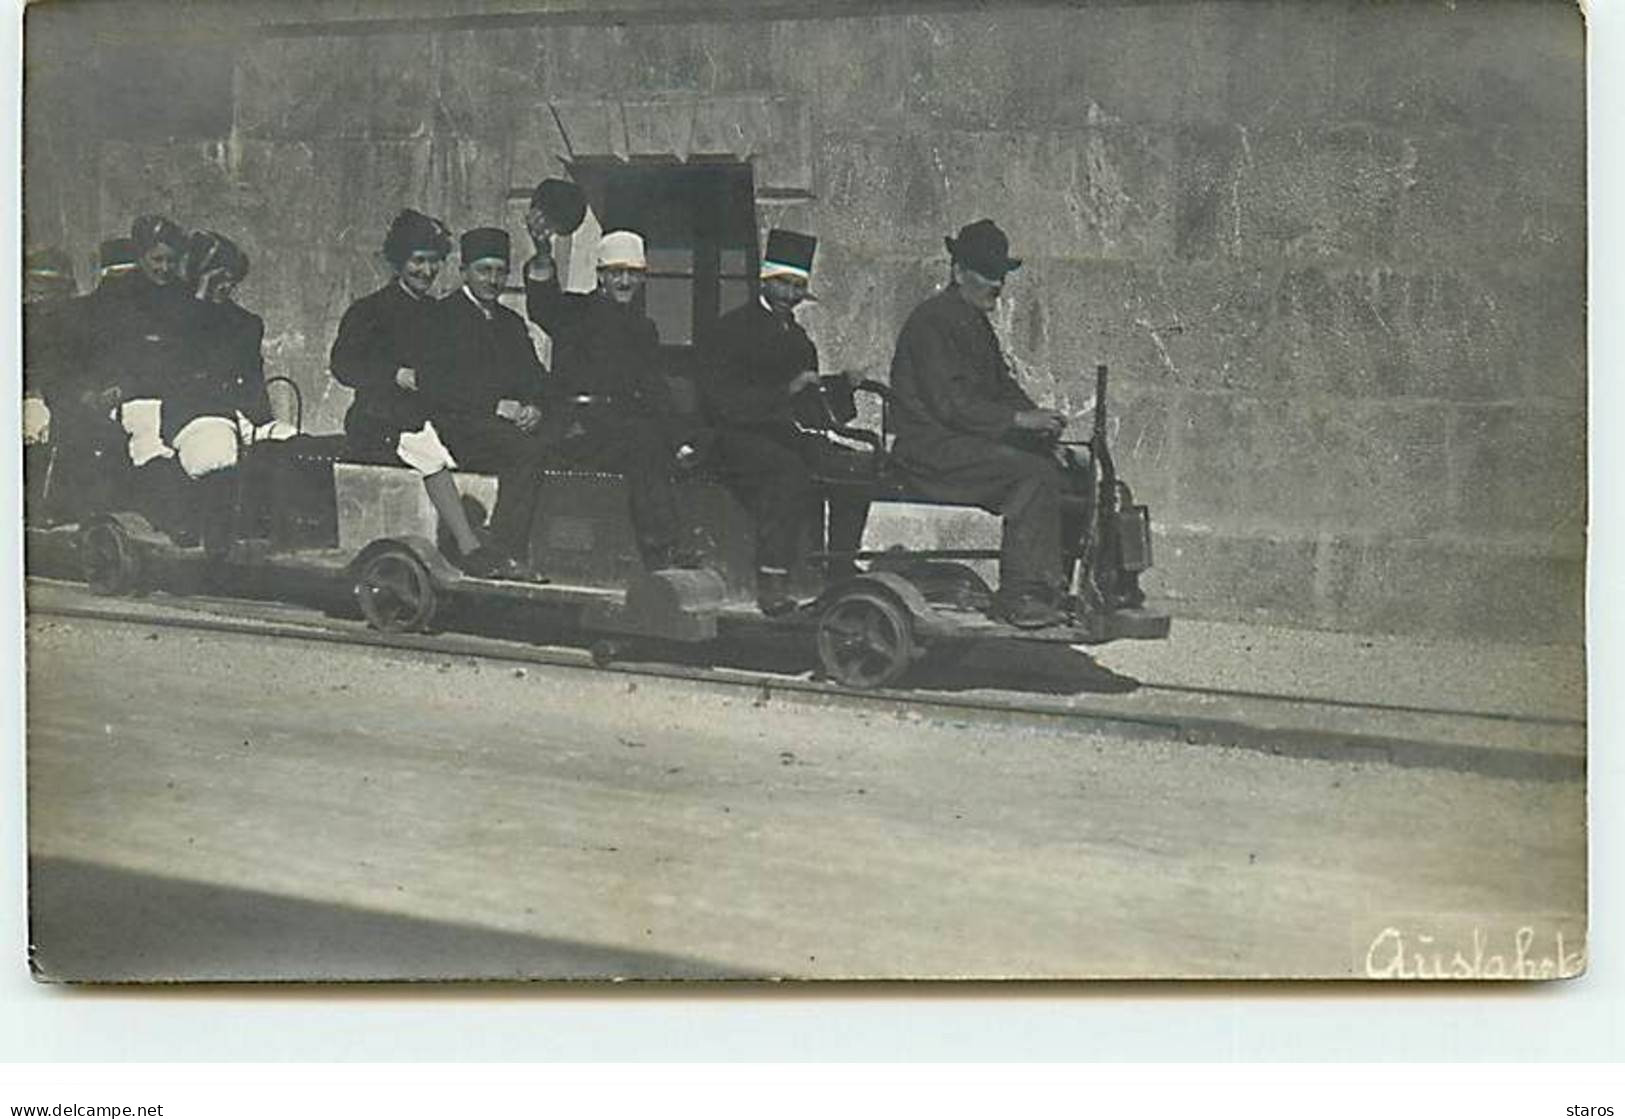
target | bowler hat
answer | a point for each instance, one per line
(561, 203)
(982, 247)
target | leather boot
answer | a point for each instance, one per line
(773, 593)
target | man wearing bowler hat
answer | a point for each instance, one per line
(967, 432)
(763, 392)
(614, 410)
(483, 385)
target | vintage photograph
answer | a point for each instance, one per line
(744, 490)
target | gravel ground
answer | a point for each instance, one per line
(208, 805)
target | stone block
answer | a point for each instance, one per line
(1090, 193)
(852, 72)
(1252, 578)
(784, 156)
(351, 86)
(485, 83)
(1318, 193)
(885, 191)
(1499, 191)
(1200, 327)
(589, 127)
(863, 302)
(1449, 333)
(729, 127)
(1304, 466)
(658, 128)
(1522, 469)
(1452, 589)
(1433, 65)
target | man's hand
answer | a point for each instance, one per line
(1046, 420)
(540, 231)
(407, 378)
(528, 419)
(805, 379)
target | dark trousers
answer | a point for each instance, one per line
(494, 446)
(81, 472)
(771, 473)
(638, 449)
(1024, 488)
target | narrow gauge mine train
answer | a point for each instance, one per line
(304, 513)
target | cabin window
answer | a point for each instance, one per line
(698, 223)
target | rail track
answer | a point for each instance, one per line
(1078, 696)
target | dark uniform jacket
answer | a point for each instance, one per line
(476, 356)
(143, 338)
(379, 334)
(752, 357)
(949, 379)
(51, 330)
(230, 363)
(601, 350)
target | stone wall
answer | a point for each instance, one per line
(1333, 252)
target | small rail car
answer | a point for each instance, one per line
(307, 515)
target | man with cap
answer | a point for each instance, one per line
(760, 382)
(381, 344)
(143, 349)
(85, 442)
(48, 343)
(613, 409)
(967, 432)
(483, 386)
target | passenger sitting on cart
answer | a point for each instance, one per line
(147, 347)
(965, 430)
(483, 385)
(49, 295)
(759, 366)
(614, 409)
(382, 341)
(86, 442)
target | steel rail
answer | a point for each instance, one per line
(1192, 730)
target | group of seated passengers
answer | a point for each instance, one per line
(157, 362)
(454, 382)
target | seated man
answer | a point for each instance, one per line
(48, 330)
(483, 386)
(614, 410)
(87, 443)
(967, 432)
(759, 366)
(382, 342)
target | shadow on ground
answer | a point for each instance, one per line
(95, 923)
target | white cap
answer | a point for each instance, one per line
(621, 248)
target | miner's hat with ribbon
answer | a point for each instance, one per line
(788, 254)
(49, 265)
(485, 243)
(561, 203)
(982, 247)
(116, 254)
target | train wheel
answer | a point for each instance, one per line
(865, 640)
(109, 559)
(396, 593)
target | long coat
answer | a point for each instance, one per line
(602, 350)
(379, 334)
(477, 356)
(949, 379)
